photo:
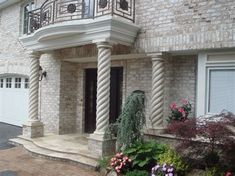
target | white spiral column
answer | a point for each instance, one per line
(157, 101)
(103, 87)
(97, 144)
(34, 85)
(33, 127)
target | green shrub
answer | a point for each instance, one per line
(170, 156)
(213, 171)
(137, 173)
(145, 155)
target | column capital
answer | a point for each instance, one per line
(156, 56)
(34, 54)
(104, 45)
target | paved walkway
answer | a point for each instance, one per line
(17, 162)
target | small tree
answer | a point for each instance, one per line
(132, 120)
(215, 138)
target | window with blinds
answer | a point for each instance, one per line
(221, 90)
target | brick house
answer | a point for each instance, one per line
(95, 53)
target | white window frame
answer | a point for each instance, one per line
(18, 82)
(2, 83)
(26, 83)
(9, 84)
(31, 5)
(204, 66)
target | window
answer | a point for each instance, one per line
(26, 83)
(221, 88)
(17, 82)
(216, 83)
(27, 7)
(1, 83)
(8, 82)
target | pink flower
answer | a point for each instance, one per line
(173, 106)
(181, 110)
(185, 102)
(228, 174)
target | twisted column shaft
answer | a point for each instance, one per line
(157, 102)
(34, 85)
(103, 87)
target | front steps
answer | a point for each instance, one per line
(69, 148)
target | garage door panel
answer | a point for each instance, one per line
(14, 105)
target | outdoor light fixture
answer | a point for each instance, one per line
(42, 73)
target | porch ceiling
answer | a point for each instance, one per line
(81, 32)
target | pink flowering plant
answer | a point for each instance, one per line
(120, 163)
(163, 170)
(180, 113)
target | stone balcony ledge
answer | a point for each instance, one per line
(81, 32)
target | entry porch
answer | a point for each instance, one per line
(70, 147)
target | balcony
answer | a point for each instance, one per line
(65, 23)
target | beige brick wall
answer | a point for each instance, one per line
(13, 58)
(68, 98)
(170, 25)
(50, 93)
(180, 81)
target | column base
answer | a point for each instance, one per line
(154, 130)
(33, 129)
(101, 147)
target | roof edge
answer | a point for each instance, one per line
(6, 3)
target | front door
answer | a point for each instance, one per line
(90, 96)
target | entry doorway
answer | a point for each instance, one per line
(90, 96)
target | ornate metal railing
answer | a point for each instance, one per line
(55, 11)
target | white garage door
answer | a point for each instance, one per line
(14, 99)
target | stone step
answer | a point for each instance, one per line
(81, 150)
(45, 153)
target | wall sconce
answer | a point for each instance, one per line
(42, 73)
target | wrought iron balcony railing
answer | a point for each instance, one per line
(56, 11)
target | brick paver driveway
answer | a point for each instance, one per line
(15, 161)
